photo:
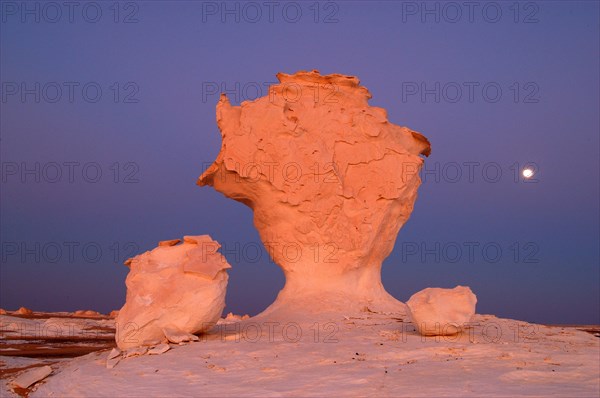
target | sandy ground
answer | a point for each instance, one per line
(368, 354)
(38, 339)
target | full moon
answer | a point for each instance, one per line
(527, 173)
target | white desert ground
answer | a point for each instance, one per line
(360, 354)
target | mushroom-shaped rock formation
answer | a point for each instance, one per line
(173, 289)
(442, 312)
(330, 180)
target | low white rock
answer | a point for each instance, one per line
(159, 349)
(441, 312)
(24, 311)
(135, 352)
(178, 336)
(32, 376)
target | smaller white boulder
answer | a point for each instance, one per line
(174, 291)
(441, 312)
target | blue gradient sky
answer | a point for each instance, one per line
(175, 52)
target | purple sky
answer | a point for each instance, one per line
(494, 88)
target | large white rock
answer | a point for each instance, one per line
(441, 312)
(330, 181)
(176, 287)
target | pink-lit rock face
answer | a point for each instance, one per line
(330, 180)
(176, 288)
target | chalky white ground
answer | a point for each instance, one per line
(365, 354)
